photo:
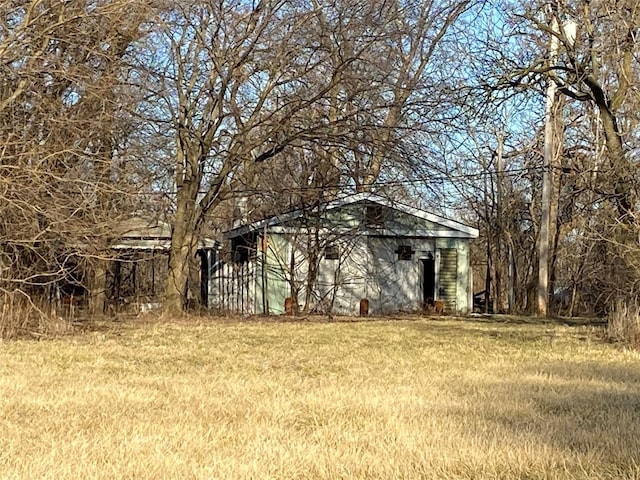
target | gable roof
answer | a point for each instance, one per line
(465, 231)
(146, 233)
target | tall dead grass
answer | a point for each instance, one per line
(624, 323)
(21, 316)
(227, 399)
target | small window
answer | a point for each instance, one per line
(405, 252)
(331, 252)
(240, 255)
(243, 249)
(374, 216)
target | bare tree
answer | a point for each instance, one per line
(594, 179)
(62, 127)
(236, 80)
(243, 83)
(396, 87)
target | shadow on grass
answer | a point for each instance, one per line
(589, 409)
(533, 320)
(158, 317)
(517, 328)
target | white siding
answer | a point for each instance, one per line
(342, 281)
(232, 288)
(372, 270)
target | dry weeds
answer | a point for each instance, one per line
(436, 399)
(624, 323)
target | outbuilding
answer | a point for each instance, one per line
(337, 256)
(138, 268)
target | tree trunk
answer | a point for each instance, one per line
(97, 295)
(487, 283)
(183, 238)
(178, 276)
(499, 230)
(294, 286)
(618, 159)
(512, 277)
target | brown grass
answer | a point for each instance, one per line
(434, 399)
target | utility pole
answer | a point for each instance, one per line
(500, 231)
(543, 245)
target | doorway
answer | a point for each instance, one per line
(429, 280)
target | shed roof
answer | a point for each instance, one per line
(461, 230)
(144, 233)
(142, 227)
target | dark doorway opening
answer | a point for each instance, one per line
(429, 280)
(204, 277)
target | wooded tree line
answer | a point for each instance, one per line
(593, 205)
(177, 109)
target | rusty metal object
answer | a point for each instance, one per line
(288, 306)
(364, 307)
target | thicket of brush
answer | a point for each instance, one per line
(21, 316)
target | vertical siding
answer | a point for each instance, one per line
(231, 288)
(463, 303)
(277, 272)
(393, 285)
(448, 277)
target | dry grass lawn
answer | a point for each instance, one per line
(434, 399)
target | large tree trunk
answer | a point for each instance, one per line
(542, 304)
(97, 293)
(177, 279)
(183, 243)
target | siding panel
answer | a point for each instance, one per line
(448, 278)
